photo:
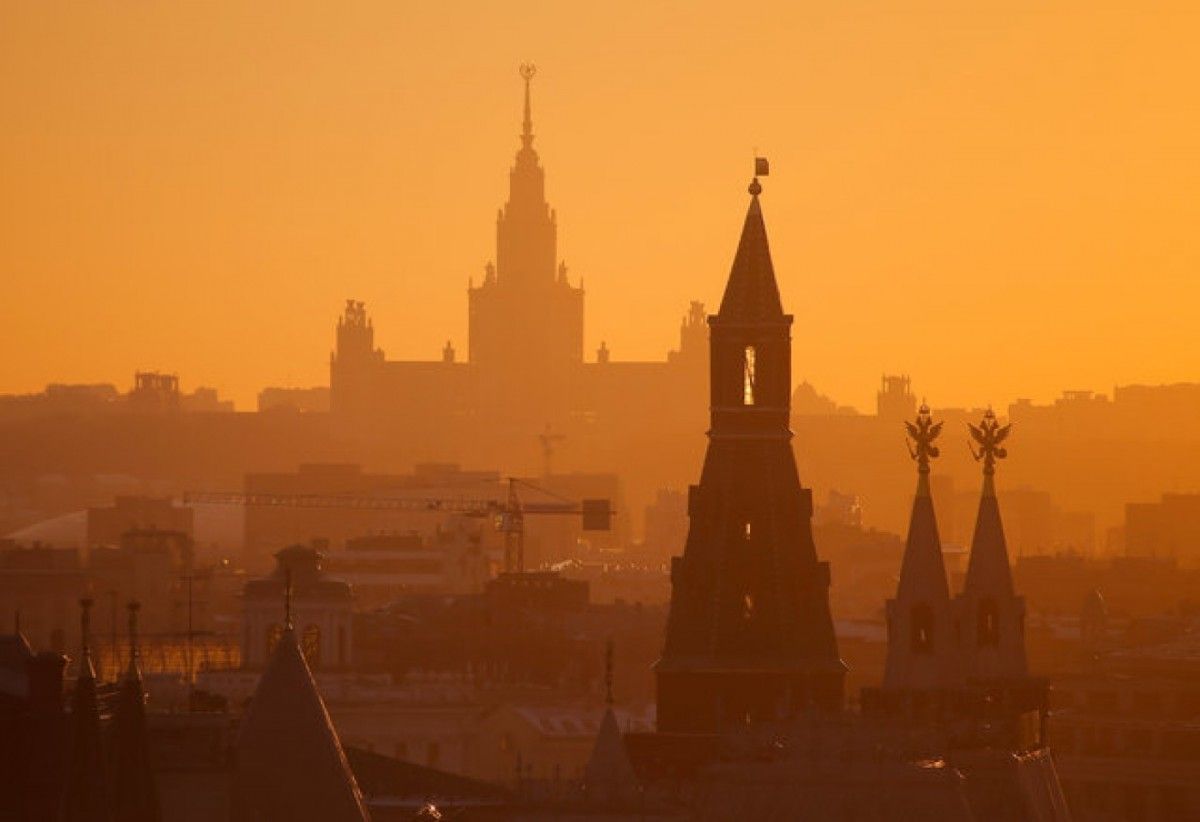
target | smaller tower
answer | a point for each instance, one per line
(921, 653)
(991, 617)
(85, 792)
(135, 789)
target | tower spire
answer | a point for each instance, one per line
(990, 612)
(919, 618)
(527, 70)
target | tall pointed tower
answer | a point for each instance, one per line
(921, 648)
(749, 636)
(525, 324)
(991, 617)
(135, 791)
(85, 795)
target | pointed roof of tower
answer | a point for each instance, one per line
(135, 788)
(923, 571)
(751, 293)
(987, 568)
(85, 798)
(290, 762)
(609, 776)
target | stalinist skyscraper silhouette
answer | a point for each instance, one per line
(749, 636)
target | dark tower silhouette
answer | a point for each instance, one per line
(991, 616)
(749, 634)
(135, 789)
(921, 647)
(85, 796)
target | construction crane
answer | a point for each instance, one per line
(508, 514)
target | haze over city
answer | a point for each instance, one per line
(643, 412)
(197, 188)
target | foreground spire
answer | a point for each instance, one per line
(290, 762)
(609, 777)
(749, 634)
(85, 795)
(136, 791)
(751, 293)
(920, 620)
(991, 616)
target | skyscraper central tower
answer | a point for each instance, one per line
(749, 636)
(526, 320)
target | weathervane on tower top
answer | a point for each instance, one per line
(527, 71)
(989, 434)
(762, 167)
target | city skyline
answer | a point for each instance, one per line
(224, 216)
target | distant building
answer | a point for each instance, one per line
(302, 400)
(895, 400)
(525, 367)
(106, 525)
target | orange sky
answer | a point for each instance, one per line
(1001, 202)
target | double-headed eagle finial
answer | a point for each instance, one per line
(923, 432)
(527, 71)
(989, 434)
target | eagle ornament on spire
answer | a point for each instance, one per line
(923, 432)
(989, 434)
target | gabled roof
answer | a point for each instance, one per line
(290, 762)
(751, 293)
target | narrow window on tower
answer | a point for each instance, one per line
(748, 377)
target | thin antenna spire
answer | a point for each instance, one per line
(134, 606)
(527, 70)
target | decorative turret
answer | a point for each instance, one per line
(135, 791)
(991, 617)
(921, 649)
(85, 794)
(749, 637)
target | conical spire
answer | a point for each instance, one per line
(991, 615)
(609, 777)
(136, 791)
(290, 762)
(920, 650)
(85, 798)
(988, 569)
(751, 293)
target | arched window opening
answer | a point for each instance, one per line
(310, 644)
(988, 624)
(748, 371)
(922, 629)
(748, 607)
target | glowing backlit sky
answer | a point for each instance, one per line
(1001, 201)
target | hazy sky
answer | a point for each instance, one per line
(1001, 201)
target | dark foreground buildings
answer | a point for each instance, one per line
(752, 719)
